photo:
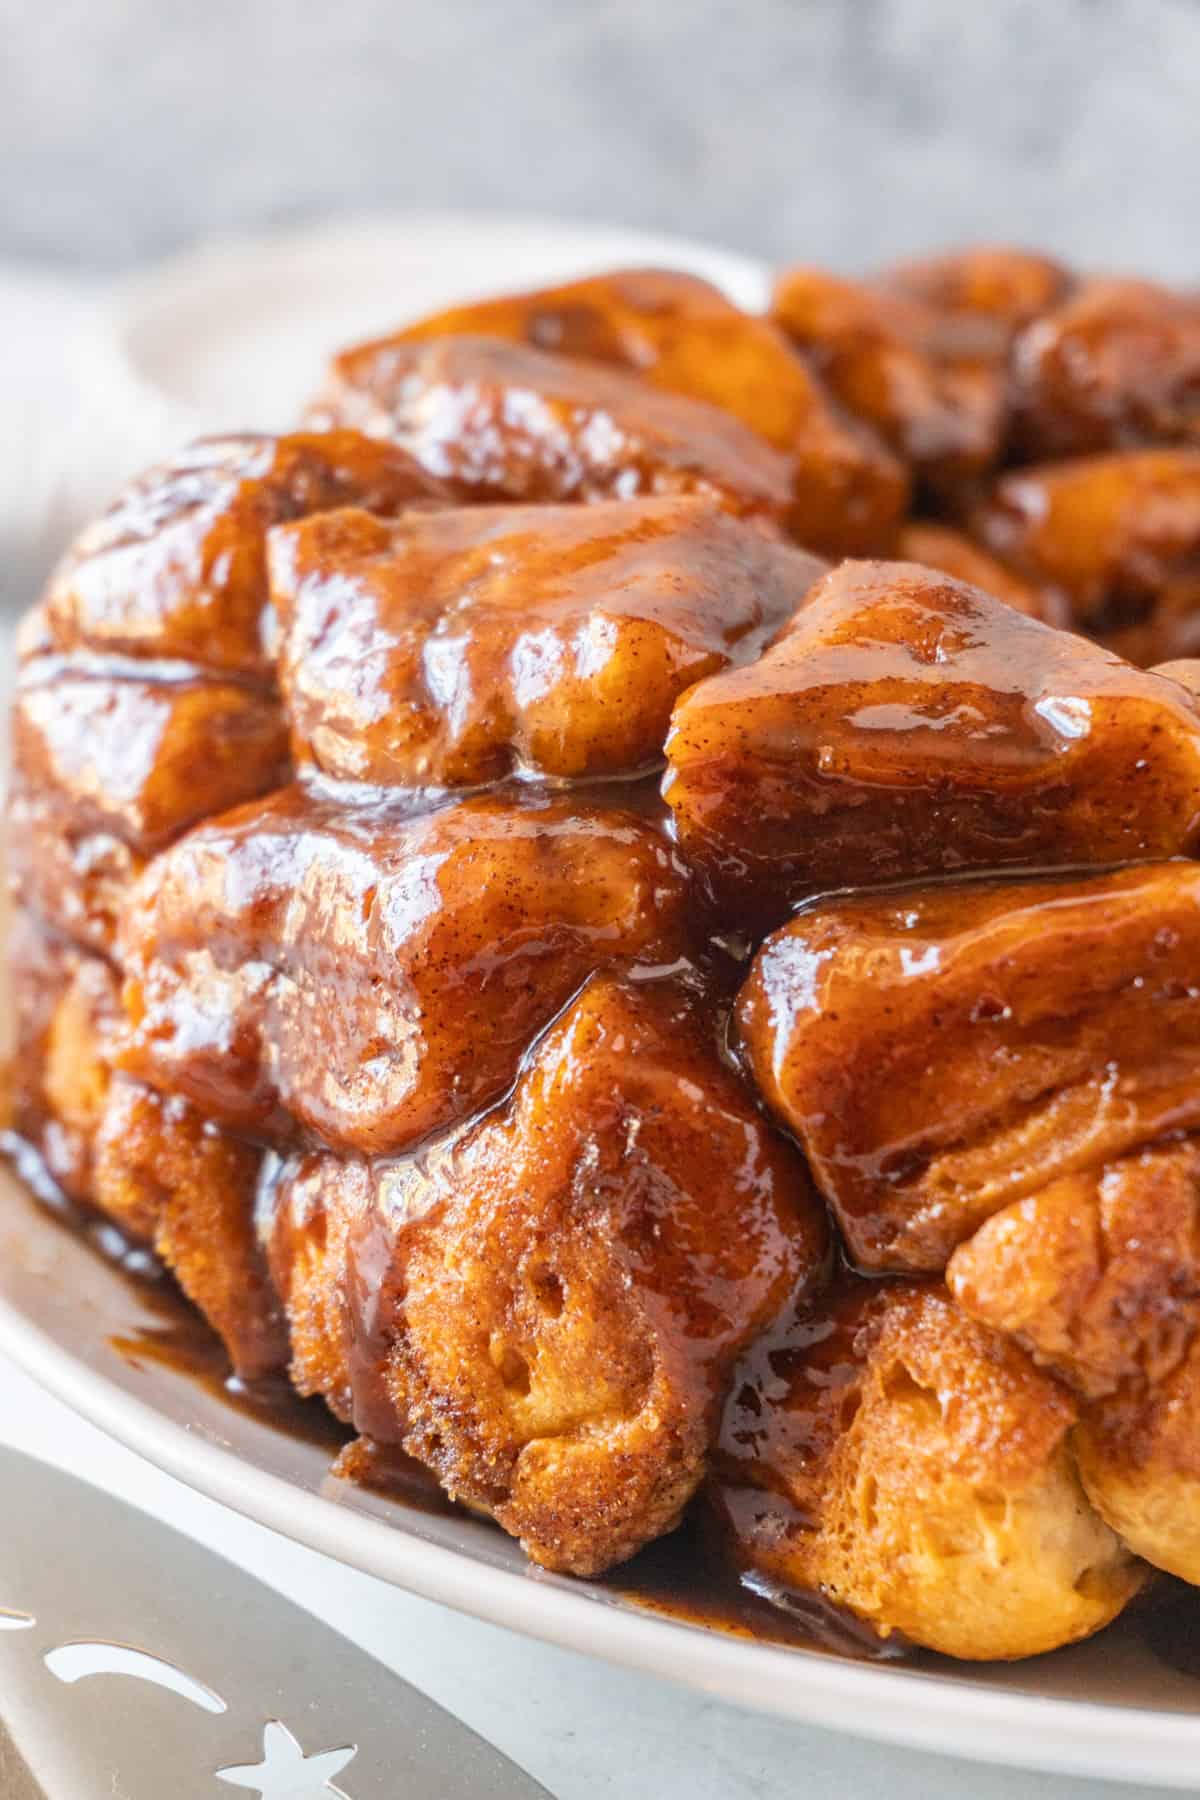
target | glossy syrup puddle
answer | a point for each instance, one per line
(681, 1577)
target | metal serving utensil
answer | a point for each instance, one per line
(137, 1665)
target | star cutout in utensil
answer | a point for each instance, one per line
(285, 1773)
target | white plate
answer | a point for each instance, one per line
(251, 324)
(1107, 1708)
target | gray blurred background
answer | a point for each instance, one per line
(839, 129)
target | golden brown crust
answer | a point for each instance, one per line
(902, 1461)
(1139, 1456)
(167, 1176)
(66, 1009)
(450, 647)
(1097, 1275)
(313, 1207)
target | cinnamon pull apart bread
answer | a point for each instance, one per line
(942, 1051)
(646, 1017)
(1112, 539)
(904, 1462)
(906, 724)
(545, 1309)
(682, 334)
(921, 353)
(1097, 1275)
(501, 421)
(370, 975)
(450, 648)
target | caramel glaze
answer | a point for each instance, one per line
(448, 938)
(682, 334)
(907, 725)
(501, 421)
(944, 1050)
(299, 1195)
(177, 566)
(997, 770)
(455, 646)
(544, 1307)
(187, 1345)
(688, 1576)
(180, 1339)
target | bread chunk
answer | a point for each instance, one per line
(1114, 366)
(934, 391)
(66, 1009)
(448, 648)
(682, 334)
(143, 759)
(942, 1052)
(1116, 538)
(984, 285)
(1098, 1276)
(500, 422)
(907, 725)
(153, 1166)
(174, 1180)
(1139, 1456)
(544, 1309)
(900, 1460)
(177, 567)
(370, 974)
(74, 876)
(110, 764)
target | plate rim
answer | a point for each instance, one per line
(912, 1708)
